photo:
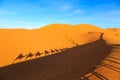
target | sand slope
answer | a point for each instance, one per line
(66, 65)
(15, 41)
(116, 31)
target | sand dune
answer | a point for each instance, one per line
(57, 36)
(15, 41)
(116, 31)
(66, 65)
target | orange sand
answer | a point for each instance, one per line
(54, 36)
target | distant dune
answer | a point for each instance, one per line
(116, 31)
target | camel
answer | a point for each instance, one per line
(46, 52)
(30, 55)
(20, 56)
(52, 51)
(61, 50)
(65, 49)
(56, 50)
(38, 54)
(76, 44)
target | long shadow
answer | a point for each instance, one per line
(116, 45)
(101, 77)
(95, 73)
(112, 61)
(66, 65)
(110, 67)
(113, 57)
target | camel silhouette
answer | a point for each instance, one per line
(65, 49)
(56, 50)
(62, 50)
(46, 52)
(19, 57)
(52, 51)
(76, 44)
(30, 55)
(38, 54)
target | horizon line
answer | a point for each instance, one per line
(23, 28)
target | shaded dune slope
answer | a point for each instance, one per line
(67, 65)
(109, 69)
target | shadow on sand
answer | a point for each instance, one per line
(66, 65)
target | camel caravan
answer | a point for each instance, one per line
(37, 54)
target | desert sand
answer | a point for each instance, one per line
(65, 65)
(58, 36)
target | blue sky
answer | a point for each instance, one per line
(37, 13)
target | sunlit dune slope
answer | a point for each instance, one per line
(69, 64)
(15, 41)
(116, 31)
